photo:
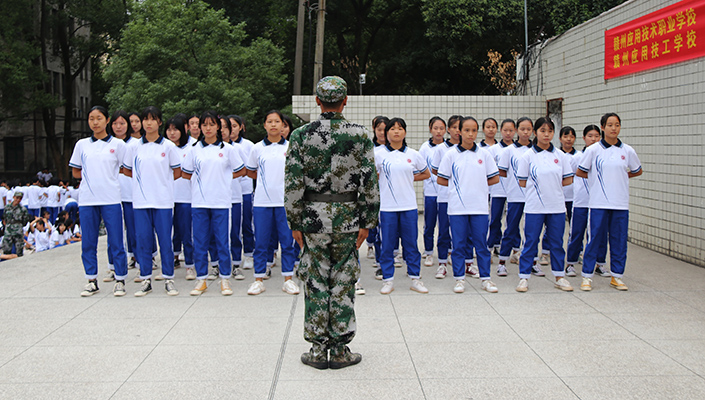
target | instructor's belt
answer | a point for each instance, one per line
(329, 197)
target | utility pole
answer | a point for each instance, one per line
(320, 31)
(299, 47)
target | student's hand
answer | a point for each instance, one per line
(361, 236)
(299, 237)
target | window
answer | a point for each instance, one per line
(14, 154)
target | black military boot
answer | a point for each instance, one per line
(343, 357)
(316, 358)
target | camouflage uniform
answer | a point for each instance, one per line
(15, 217)
(330, 156)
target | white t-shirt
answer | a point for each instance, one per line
(41, 240)
(544, 171)
(235, 185)
(568, 190)
(396, 170)
(53, 196)
(182, 187)
(430, 185)
(99, 162)
(498, 190)
(212, 168)
(58, 237)
(245, 181)
(269, 160)
(43, 196)
(25, 198)
(438, 154)
(581, 190)
(33, 194)
(467, 172)
(608, 167)
(72, 192)
(3, 194)
(152, 165)
(126, 181)
(509, 162)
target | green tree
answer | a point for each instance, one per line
(184, 56)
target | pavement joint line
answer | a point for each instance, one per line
(153, 348)
(282, 351)
(406, 344)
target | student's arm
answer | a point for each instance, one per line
(567, 181)
(185, 175)
(421, 176)
(177, 173)
(442, 181)
(126, 172)
(522, 183)
(76, 172)
(635, 174)
(493, 181)
(503, 173)
(581, 174)
(251, 174)
(239, 173)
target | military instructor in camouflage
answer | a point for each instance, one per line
(332, 200)
(16, 217)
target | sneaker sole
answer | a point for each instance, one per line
(586, 288)
(620, 288)
(563, 288)
(196, 292)
(387, 292)
(142, 294)
(458, 291)
(172, 293)
(239, 277)
(440, 276)
(419, 291)
(226, 293)
(335, 365)
(119, 294)
(89, 294)
(360, 293)
(522, 290)
(108, 279)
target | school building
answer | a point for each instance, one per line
(655, 84)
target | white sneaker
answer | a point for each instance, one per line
(523, 285)
(586, 285)
(268, 273)
(110, 276)
(387, 287)
(489, 286)
(370, 252)
(428, 260)
(442, 271)
(570, 271)
(256, 288)
(155, 263)
(237, 274)
(471, 271)
(544, 259)
(170, 288)
(536, 270)
(501, 270)
(459, 286)
(190, 274)
(514, 258)
(417, 286)
(249, 263)
(90, 289)
(398, 261)
(214, 274)
(119, 289)
(182, 257)
(359, 290)
(201, 286)
(563, 285)
(225, 288)
(290, 287)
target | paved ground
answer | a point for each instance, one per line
(645, 343)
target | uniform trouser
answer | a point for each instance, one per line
(395, 224)
(248, 231)
(578, 226)
(9, 240)
(147, 221)
(53, 213)
(568, 215)
(35, 212)
(612, 226)
(512, 235)
(430, 217)
(235, 243)
(443, 232)
(463, 227)
(129, 216)
(211, 223)
(182, 232)
(268, 220)
(90, 221)
(496, 209)
(330, 269)
(374, 238)
(555, 226)
(2, 213)
(72, 209)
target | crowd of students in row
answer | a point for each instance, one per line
(522, 175)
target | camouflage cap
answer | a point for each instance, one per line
(18, 194)
(331, 89)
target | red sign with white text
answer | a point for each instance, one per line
(667, 36)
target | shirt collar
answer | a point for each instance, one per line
(331, 115)
(204, 144)
(607, 145)
(390, 148)
(239, 139)
(571, 152)
(267, 142)
(501, 143)
(516, 143)
(462, 149)
(158, 141)
(105, 139)
(549, 149)
(430, 142)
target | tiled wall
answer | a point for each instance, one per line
(663, 118)
(417, 110)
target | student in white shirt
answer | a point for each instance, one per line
(468, 170)
(374, 238)
(59, 236)
(236, 205)
(437, 128)
(608, 166)
(153, 164)
(97, 160)
(40, 233)
(183, 236)
(398, 167)
(508, 163)
(136, 125)
(33, 194)
(266, 163)
(4, 189)
(53, 198)
(211, 165)
(489, 129)
(498, 194)
(71, 207)
(237, 135)
(543, 171)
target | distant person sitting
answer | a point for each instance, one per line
(60, 236)
(41, 235)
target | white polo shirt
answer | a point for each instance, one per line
(570, 157)
(581, 190)
(126, 181)
(99, 162)
(58, 237)
(3, 195)
(33, 194)
(269, 160)
(245, 181)
(467, 172)
(438, 154)
(25, 199)
(509, 162)
(544, 171)
(212, 168)
(430, 185)
(53, 196)
(182, 187)
(41, 240)
(396, 170)
(496, 150)
(72, 192)
(235, 185)
(152, 165)
(608, 167)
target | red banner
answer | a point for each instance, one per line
(667, 36)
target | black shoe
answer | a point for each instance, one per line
(318, 361)
(346, 359)
(177, 263)
(378, 274)
(131, 264)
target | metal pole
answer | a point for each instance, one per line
(320, 31)
(299, 47)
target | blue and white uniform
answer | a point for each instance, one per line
(509, 162)
(498, 199)
(127, 213)
(99, 194)
(247, 187)
(398, 208)
(236, 212)
(608, 167)
(442, 199)
(183, 235)
(467, 172)
(430, 195)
